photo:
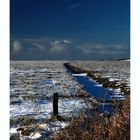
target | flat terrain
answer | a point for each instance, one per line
(32, 84)
(113, 70)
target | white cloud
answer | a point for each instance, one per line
(62, 41)
(103, 49)
(40, 46)
(118, 46)
(56, 42)
(67, 41)
(17, 46)
(87, 51)
(41, 43)
(59, 46)
(56, 47)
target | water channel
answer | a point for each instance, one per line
(101, 94)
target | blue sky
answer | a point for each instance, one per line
(69, 29)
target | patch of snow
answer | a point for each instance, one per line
(13, 130)
(98, 85)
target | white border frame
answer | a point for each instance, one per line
(4, 69)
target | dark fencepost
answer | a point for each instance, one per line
(55, 104)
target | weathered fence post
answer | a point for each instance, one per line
(55, 104)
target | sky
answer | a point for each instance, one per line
(69, 29)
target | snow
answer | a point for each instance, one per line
(13, 130)
(114, 70)
(32, 79)
(35, 136)
(29, 108)
(80, 74)
(32, 85)
(98, 85)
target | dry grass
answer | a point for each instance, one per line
(99, 126)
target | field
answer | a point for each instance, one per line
(32, 84)
(113, 71)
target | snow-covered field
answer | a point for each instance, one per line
(114, 70)
(32, 85)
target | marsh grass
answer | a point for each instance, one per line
(99, 126)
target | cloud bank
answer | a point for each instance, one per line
(58, 46)
(68, 49)
(104, 49)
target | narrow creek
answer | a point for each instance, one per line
(105, 96)
(101, 94)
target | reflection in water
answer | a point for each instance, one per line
(100, 93)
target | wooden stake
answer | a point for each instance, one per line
(55, 104)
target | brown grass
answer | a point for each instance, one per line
(99, 126)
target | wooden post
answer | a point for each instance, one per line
(55, 104)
